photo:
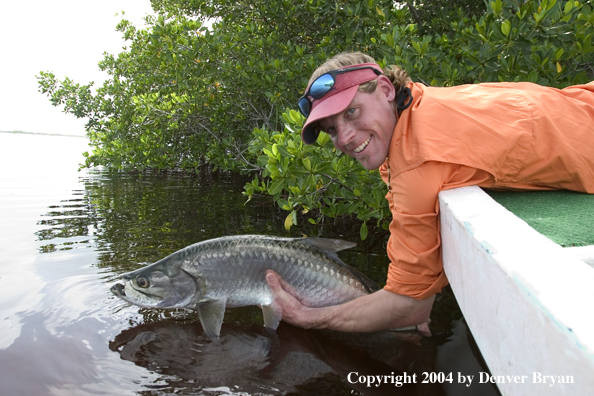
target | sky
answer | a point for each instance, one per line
(66, 37)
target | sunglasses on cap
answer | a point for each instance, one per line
(323, 84)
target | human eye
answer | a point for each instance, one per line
(325, 126)
(350, 112)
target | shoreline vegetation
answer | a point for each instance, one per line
(184, 93)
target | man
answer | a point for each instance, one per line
(426, 140)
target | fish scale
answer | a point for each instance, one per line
(230, 272)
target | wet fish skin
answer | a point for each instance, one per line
(230, 272)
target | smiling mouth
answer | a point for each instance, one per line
(360, 148)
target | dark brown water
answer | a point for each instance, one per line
(66, 236)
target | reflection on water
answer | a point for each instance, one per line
(66, 236)
(254, 360)
(134, 218)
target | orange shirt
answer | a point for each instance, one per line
(494, 135)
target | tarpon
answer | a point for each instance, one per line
(230, 272)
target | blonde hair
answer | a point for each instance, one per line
(397, 76)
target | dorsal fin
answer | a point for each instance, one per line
(329, 245)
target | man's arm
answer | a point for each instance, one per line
(414, 245)
(381, 310)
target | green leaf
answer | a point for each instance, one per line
(277, 186)
(289, 221)
(380, 13)
(568, 6)
(506, 27)
(364, 231)
(282, 150)
(306, 164)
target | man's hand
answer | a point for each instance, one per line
(292, 310)
(381, 310)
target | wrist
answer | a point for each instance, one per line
(321, 318)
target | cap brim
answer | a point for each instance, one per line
(326, 108)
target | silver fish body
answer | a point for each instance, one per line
(230, 272)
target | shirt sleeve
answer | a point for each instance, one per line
(416, 268)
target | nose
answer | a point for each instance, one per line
(344, 134)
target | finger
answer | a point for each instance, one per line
(272, 281)
(424, 329)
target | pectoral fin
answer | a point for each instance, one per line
(272, 316)
(211, 315)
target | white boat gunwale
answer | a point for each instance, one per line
(527, 300)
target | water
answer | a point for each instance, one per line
(66, 235)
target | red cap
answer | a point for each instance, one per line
(337, 99)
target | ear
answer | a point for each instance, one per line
(385, 86)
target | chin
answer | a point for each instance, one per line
(369, 165)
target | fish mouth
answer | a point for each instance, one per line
(119, 290)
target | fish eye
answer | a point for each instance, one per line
(142, 282)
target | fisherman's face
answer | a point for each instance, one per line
(364, 129)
